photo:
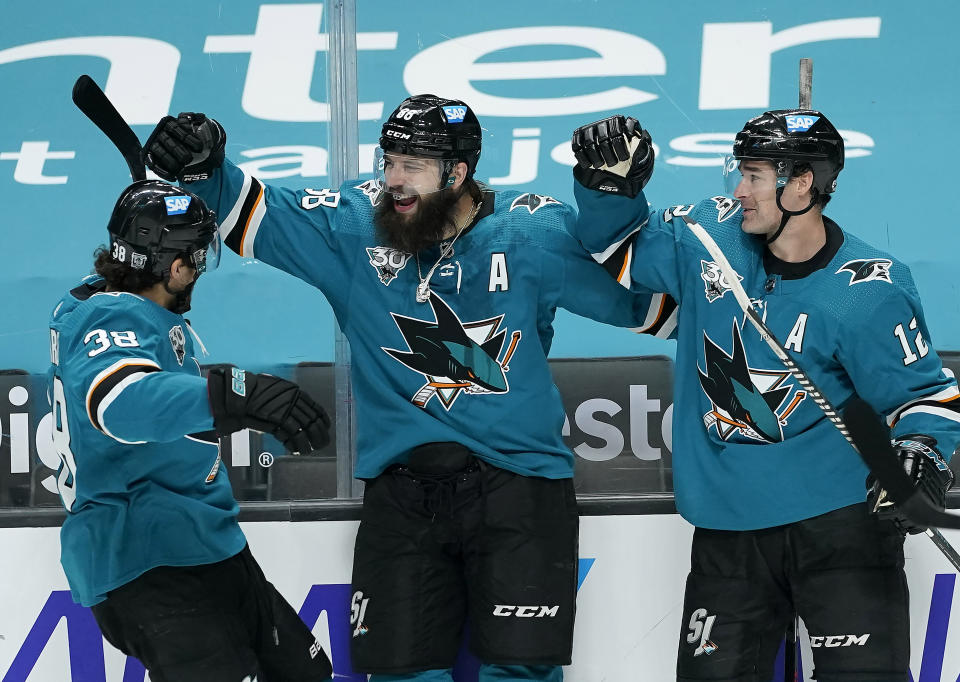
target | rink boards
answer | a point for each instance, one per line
(628, 609)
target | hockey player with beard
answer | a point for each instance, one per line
(447, 293)
(774, 490)
(151, 540)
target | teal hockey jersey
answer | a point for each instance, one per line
(470, 365)
(140, 473)
(750, 448)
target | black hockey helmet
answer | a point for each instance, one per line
(437, 128)
(789, 137)
(153, 223)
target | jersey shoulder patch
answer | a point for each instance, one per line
(371, 189)
(532, 202)
(725, 207)
(858, 263)
(863, 270)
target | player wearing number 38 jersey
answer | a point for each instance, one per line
(151, 540)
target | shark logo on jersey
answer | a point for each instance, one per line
(715, 283)
(533, 202)
(178, 342)
(745, 400)
(388, 262)
(726, 207)
(454, 356)
(867, 270)
(372, 189)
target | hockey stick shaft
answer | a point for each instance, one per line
(806, 83)
(881, 461)
(92, 101)
(944, 546)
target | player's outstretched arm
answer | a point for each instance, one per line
(262, 402)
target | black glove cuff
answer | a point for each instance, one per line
(605, 181)
(214, 139)
(224, 403)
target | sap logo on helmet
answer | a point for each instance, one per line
(455, 114)
(800, 124)
(177, 205)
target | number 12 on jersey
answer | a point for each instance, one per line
(909, 357)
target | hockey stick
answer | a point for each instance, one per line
(91, 100)
(806, 91)
(790, 641)
(881, 461)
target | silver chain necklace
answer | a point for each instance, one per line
(446, 250)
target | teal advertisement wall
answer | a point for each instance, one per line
(692, 72)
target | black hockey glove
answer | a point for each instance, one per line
(613, 155)
(927, 469)
(186, 148)
(262, 402)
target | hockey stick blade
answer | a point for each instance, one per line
(872, 439)
(92, 101)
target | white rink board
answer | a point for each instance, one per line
(628, 607)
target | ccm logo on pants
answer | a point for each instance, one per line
(525, 611)
(838, 640)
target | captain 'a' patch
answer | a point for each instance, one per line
(454, 356)
(867, 270)
(750, 401)
(532, 202)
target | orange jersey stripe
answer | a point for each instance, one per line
(246, 225)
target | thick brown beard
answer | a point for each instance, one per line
(426, 227)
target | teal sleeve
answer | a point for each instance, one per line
(161, 407)
(890, 358)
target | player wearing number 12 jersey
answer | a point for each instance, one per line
(774, 490)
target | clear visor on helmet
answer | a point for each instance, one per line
(207, 259)
(759, 174)
(404, 176)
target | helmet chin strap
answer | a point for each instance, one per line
(787, 214)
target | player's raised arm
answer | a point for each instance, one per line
(293, 230)
(637, 245)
